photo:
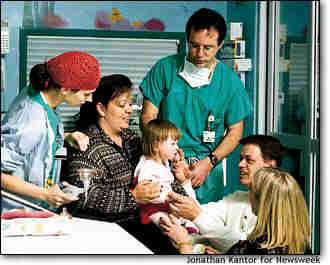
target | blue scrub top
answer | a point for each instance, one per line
(54, 123)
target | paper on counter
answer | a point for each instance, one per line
(57, 225)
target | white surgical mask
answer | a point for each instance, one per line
(195, 76)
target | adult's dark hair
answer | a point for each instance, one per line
(40, 79)
(271, 148)
(206, 18)
(109, 88)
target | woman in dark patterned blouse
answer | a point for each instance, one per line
(282, 225)
(114, 151)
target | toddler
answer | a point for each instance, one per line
(159, 148)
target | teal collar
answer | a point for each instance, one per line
(52, 116)
(181, 62)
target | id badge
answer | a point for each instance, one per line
(208, 136)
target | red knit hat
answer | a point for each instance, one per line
(75, 70)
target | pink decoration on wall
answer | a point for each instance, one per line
(122, 24)
(54, 21)
(115, 21)
(154, 24)
(102, 20)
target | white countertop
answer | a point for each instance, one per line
(88, 237)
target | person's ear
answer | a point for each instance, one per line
(156, 146)
(100, 109)
(64, 91)
(270, 163)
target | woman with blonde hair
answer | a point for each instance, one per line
(282, 218)
(283, 222)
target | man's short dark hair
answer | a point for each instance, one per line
(271, 148)
(206, 18)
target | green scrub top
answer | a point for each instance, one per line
(189, 108)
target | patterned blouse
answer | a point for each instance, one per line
(109, 194)
(253, 247)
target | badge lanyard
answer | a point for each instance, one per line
(208, 137)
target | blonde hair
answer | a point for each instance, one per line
(282, 211)
(158, 131)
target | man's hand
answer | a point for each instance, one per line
(183, 206)
(178, 233)
(200, 171)
(146, 191)
(77, 140)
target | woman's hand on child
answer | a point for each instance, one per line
(77, 140)
(146, 191)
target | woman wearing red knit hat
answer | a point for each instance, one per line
(32, 132)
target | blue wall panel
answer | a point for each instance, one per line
(247, 13)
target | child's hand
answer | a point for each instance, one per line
(180, 171)
(179, 156)
(180, 167)
(179, 175)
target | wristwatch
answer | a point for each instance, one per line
(214, 159)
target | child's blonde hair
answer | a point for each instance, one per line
(282, 211)
(158, 131)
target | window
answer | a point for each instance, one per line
(130, 53)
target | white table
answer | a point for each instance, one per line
(88, 237)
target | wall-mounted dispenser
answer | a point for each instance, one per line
(4, 37)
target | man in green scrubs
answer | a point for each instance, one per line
(204, 98)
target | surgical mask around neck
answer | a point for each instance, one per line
(195, 76)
